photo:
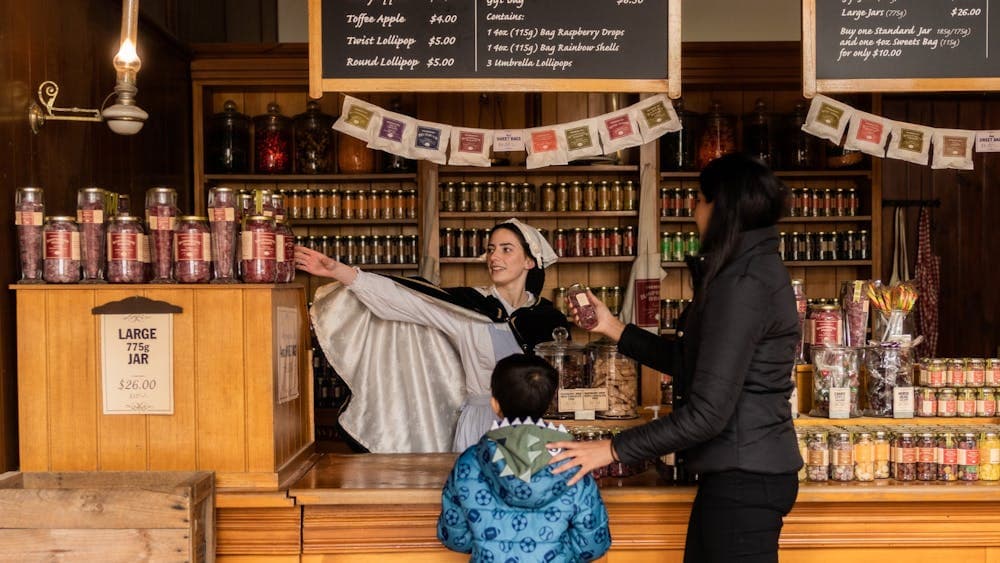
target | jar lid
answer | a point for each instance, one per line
(559, 345)
(604, 344)
(29, 189)
(124, 218)
(68, 218)
(161, 189)
(220, 189)
(92, 189)
(192, 218)
(259, 218)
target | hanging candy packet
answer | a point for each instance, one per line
(429, 141)
(357, 118)
(619, 131)
(393, 133)
(910, 142)
(953, 148)
(470, 146)
(581, 138)
(868, 133)
(546, 147)
(656, 117)
(827, 118)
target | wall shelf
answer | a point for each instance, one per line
(545, 171)
(536, 214)
(351, 222)
(309, 178)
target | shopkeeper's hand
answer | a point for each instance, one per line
(319, 264)
(607, 324)
(587, 456)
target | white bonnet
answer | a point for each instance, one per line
(540, 248)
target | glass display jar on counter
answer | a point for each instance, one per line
(192, 250)
(571, 362)
(91, 211)
(284, 244)
(759, 134)
(718, 137)
(259, 259)
(223, 213)
(29, 213)
(313, 134)
(61, 243)
(227, 141)
(618, 374)
(801, 149)
(126, 247)
(679, 149)
(161, 217)
(272, 141)
(354, 156)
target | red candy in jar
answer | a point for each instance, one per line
(193, 250)
(29, 209)
(126, 250)
(61, 243)
(258, 245)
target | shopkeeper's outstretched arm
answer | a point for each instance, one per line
(319, 264)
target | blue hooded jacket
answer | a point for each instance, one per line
(502, 503)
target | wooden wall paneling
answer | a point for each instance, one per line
(72, 424)
(33, 406)
(969, 188)
(171, 439)
(123, 439)
(989, 170)
(222, 443)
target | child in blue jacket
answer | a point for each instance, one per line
(502, 502)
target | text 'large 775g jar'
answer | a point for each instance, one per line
(259, 261)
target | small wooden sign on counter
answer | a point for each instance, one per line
(137, 356)
(901, 46)
(494, 46)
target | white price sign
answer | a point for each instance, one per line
(137, 355)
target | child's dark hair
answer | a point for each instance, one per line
(524, 386)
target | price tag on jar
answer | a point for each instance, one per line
(577, 400)
(137, 351)
(840, 402)
(902, 402)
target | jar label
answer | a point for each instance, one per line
(935, 378)
(882, 451)
(194, 247)
(978, 377)
(968, 457)
(864, 453)
(927, 455)
(62, 245)
(994, 456)
(90, 216)
(124, 246)
(819, 457)
(144, 248)
(906, 455)
(946, 456)
(826, 331)
(27, 218)
(902, 402)
(991, 377)
(279, 247)
(161, 223)
(957, 377)
(258, 245)
(222, 214)
(947, 407)
(842, 457)
(927, 406)
(840, 402)
(966, 407)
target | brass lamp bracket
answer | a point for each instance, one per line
(39, 114)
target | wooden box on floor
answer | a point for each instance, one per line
(107, 516)
(228, 415)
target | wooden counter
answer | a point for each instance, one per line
(366, 508)
(227, 415)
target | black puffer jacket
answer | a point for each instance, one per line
(737, 348)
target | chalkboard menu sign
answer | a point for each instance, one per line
(900, 45)
(494, 45)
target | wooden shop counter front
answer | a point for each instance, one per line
(367, 508)
(240, 402)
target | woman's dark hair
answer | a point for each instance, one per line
(524, 385)
(745, 195)
(536, 276)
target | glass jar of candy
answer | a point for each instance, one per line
(818, 459)
(126, 247)
(91, 212)
(61, 244)
(227, 141)
(905, 457)
(841, 456)
(926, 457)
(193, 250)
(989, 456)
(968, 456)
(313, 133)
(272, 141)
(222, 217)
(259, 254)
(947, 456)
(864, 456)
(161, 217)
(29, 212)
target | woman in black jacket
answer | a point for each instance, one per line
(731, 423)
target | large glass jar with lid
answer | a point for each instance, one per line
(29, 210)
(679, 150)
(759, 134)
(800, 149)
(227, 141)
(571, 362)
(354, 156)
(91, 212)
(313, 131)
(718, 137)
(61, 244)
(272, 141)
(126, 249)
(161, 216)
(618, 374)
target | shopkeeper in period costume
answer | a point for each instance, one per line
(418, 358)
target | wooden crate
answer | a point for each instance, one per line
(107, 516)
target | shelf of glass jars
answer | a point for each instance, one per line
(796, 264)
(350, 222)
(805, 420)
(562, 260)
(544, 171)
(837, 219)
(784, 174)
(536, 214)
(312, 178)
